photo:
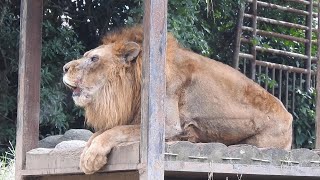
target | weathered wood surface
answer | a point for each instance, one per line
(286, 9)
(98, 176)
(65, 158)
(308, 46)
(235, 62)
(277, 35)
(279, 52)
(277, 22)
(153, 90)
(183, 157)
(254, 36)
(276, 66)
(29, 81)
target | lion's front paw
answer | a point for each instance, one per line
(93, 158)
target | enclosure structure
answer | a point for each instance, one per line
(248, 51)
(151, 158)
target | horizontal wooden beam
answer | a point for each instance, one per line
(280, 52)
(276, 66)
(283, 8)
(278, 22)
(245, 55)
(215, 168)
(277, 35)
(300, 1)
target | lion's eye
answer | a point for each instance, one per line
(94, 58)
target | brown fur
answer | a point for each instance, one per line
(206, 100)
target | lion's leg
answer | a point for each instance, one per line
(173, 123)
(277, 136)
(96, 155)
(92, 137)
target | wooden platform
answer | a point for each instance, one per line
(183, 160)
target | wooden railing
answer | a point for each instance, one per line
(306, 75)
(288, 77)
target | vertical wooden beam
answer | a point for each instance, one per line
(267, 78)
(273, 78)
(254, 35)
(29, 81)
(280, 84)
(287, 90)
(318, 84)
(308, 45)
(235, 62)
(153, 90)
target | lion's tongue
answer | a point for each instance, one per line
(76, 92)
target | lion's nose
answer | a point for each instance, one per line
(66, 68)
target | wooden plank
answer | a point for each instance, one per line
(131, 175)
(235, 62)
(276, 66)
(308, 45)
(41, 161)
(301, 81)
(278, 22)
(182, 167)
(286, 9)
(76, 170)
(153, 90)
(273, 78)
(277, 35)
(267, 75)
(287, 90)
(254, 35)
(300, 1)
(279, 52)
(280, 84)
(293, 92)
(29, 81)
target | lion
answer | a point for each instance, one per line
(206, 100)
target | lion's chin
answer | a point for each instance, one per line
(81, 100)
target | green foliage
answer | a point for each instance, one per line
(71, 27)
(7, 163)
(9, 23)
(264, 79)
(60, 45)
(304, 119)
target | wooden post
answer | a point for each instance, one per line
(237, 48)
(153, 90)
(29, 81)
(318, 85)
(254, 35)
(308, 45)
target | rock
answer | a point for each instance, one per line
(276, 156)
(182, 150)
(76, 134)
(40, 151)
(72, 134)
(70, 145)
(305, 157)
(50, 141)
(214, 151)
(242, 154)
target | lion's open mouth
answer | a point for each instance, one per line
(76, 90)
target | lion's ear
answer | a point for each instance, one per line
(130, 51)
